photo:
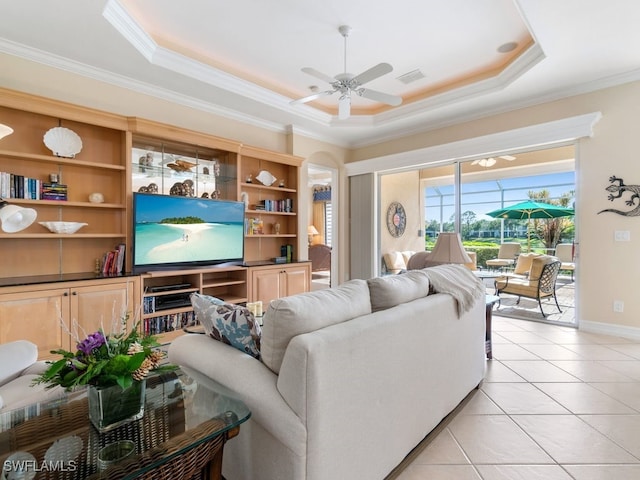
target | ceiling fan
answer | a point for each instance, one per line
(347, 84)
(490, 162)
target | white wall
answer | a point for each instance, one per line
(402, 187)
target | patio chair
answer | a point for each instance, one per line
(539, 284)
(564, 253)
(506, 255)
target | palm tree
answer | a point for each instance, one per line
(550, 230)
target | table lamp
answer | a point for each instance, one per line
(15, 218)
(311, 231)
(448, 249)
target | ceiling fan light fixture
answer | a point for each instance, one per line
(487, 162)
(344, 106)
(346, 83)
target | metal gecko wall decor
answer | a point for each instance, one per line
(617, 189)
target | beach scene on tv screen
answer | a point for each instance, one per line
(178, 229)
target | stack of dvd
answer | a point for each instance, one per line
(53, 191)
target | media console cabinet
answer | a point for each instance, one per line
(44, 288)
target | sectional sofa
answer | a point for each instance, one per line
(351, 378)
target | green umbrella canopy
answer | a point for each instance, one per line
(530, 209)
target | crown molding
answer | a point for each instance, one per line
(555, 132)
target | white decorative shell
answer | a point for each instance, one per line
(63, 227)
(266, 178)
(63, 142)
(96, 197)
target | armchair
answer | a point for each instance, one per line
(19, 366)
(396, 262)
(506, 255)
(564, 252)
(320, 256)
(538, 284)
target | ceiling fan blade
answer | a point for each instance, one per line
(315, 73)
(344, 107)
(380, 97)
(373, 73)
(311, 97)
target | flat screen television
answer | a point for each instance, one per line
(172, 232)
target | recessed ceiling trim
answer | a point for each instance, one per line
(127, 26)
(118, 17)
(522, 64)
(160, 56)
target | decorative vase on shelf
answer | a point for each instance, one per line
(110, 407)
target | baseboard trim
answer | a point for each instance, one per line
(632, 333)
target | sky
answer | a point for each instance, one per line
(482, 197)
(154, 208)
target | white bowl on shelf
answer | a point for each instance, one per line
(63, 227)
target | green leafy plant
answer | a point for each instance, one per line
(105, 360)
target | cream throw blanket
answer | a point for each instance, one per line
(459, 282)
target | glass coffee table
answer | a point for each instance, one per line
(181, 435)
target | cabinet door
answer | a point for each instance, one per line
(100, 307)
(266, 285)
(296, 280)
(39, 317)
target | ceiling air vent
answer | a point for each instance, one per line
(412, 76)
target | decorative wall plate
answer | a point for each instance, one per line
(63, 142)
(266, 178)
(396, 219)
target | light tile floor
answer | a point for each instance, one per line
(556, 404)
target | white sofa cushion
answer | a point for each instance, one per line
(290, 316)
(15, 357)
(389, 291)
(21, 392)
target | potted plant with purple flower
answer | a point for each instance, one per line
(114, 367)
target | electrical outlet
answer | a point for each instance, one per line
(622, 236)
(618, 306)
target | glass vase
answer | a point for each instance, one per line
(110, 407)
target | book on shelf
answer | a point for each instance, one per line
(53, 191)
(254, 226)
(113, 261)
(284, 205)
(19, 186)
(168, 323)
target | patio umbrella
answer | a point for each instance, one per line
(530, 209)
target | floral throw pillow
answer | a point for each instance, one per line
(228, 323)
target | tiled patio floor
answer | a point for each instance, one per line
(528, 309)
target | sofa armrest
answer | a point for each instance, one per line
(37, 368)
(247, 379)
(15, 357)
